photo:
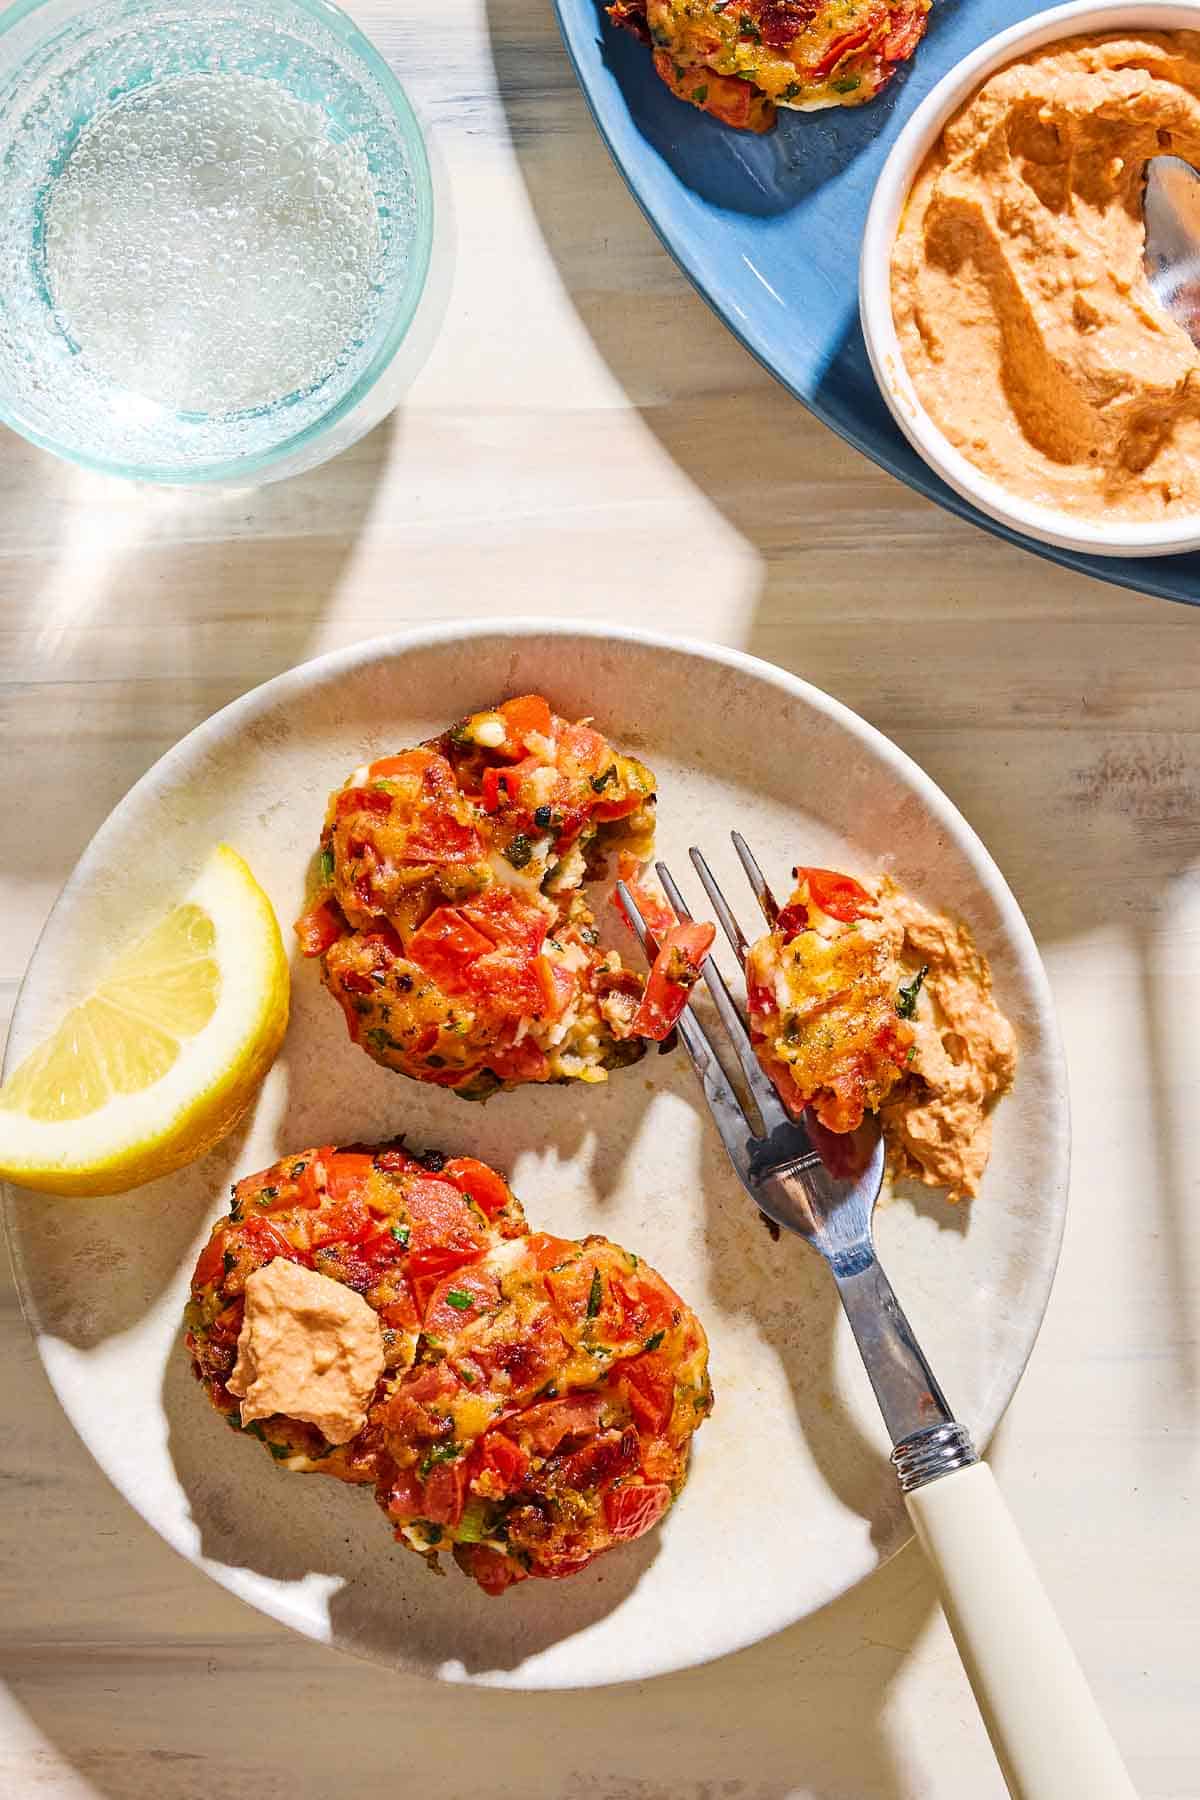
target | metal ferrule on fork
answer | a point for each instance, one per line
(927, 1455)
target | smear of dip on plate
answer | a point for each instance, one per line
(310, 1348)
(1020, 299)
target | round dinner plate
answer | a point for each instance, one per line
(791, 1498)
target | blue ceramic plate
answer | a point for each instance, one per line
(769, 228)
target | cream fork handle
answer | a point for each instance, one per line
(1045, 1727)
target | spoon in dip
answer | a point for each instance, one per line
(1172, 257)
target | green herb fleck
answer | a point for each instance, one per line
(402, 1233)
(597, 1289)
(465, 1374)
(652, 1343)
(847, 84)
(634, 1258)
(588, 935)
(790, 91)
(459, 733)
(660, 36)
(519, 851)
(748, 29)
(700, 94)
(433, 1533)
(906, 999)
(379, 1039)
(230, 1262)
(441, 1453)
(279, 1451)
(327, 866)
(297, 1170)
(601, 781)
(543, 818)
(266, 1194)
(459, 1300)
(912, 1054)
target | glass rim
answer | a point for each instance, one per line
(240, 470)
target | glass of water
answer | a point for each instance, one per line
(215, 226)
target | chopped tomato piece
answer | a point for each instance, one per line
(605, 1458)
(733, 101)
(558, 985)
(547, 1251)
(475, 1181)
(501, 1463)
(210, 1265)
(675, 971)
(583, 746)
(372, 800)
(791, 920)
(404, 1496)
(838, 895)
(319, 927)
(401, 1313)
(520, 1062)
(445, 1493)
(632, 1511)
(648, 1304)
(842, 46)
(409, 762)
(347, 1173)
(581, 1292)
(343, 1223)
(499, 788)
(268, 1242)
(649, 1383)
(445, 946)
(617, 809)
(443, 1232)
(492, 1571)
(657, 916)
(459, 1300)
(545, 1426)
(528, 715)
(441, 838)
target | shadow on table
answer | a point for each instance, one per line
(181, 598)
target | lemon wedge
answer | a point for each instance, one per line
(164, 1056)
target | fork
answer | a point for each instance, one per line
(1047, 1732)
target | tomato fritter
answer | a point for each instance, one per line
(539, 1394)
(449, 920)
(823, 989)
(740, 59)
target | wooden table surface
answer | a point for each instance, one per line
(585, 440)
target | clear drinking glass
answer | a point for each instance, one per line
(215, 226)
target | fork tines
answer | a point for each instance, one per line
(737, 1131)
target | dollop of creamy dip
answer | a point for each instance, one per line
(310, 1348)
(938, 1123)
(1020, 299)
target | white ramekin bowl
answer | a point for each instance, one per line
(1046, 523)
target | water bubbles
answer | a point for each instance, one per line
(211, 243)
(194, 246)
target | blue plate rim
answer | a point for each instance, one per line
(1120, 572)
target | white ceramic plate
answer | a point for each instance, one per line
(791, 1499)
